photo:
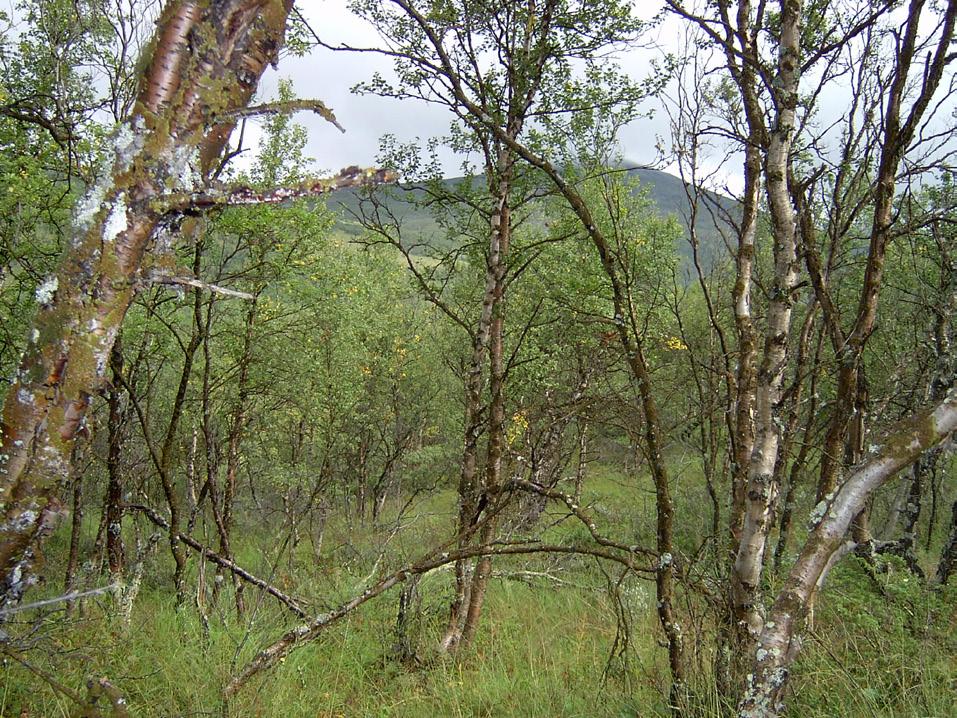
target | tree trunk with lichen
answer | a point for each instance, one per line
(467, 489)
(800, 461)
(779, 642)
(749, 560)
(487, 341)
(113, 509)
(166, 146)
(501, 230)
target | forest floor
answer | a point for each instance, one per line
(551, 642)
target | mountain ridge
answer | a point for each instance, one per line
(665, 191)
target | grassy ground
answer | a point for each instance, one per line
(544, 650)
(878, 648)
(542, 654)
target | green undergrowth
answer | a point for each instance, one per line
(542, 652)
(881, 644)
(550, 642)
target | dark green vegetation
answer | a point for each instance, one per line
(552, 438)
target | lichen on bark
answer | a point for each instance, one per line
(166, 143)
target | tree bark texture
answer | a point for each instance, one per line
(205, 61)
(749, 560)
(779, 642)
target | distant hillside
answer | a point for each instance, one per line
(665, 190)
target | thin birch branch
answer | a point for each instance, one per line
(285, 108)
(291, 603)
(58, 599)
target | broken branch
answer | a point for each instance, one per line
(291, 603)
(192, 282)
(285, 108)
(186, 202)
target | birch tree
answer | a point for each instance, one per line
(500, 68)
(165, 148)
(779, 63)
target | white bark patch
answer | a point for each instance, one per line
(127, 144)
(817, 513)
(24, 520)
(46, 291)
(89, 205)
(183, 168)
(116, 222)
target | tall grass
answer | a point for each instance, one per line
(879, 647)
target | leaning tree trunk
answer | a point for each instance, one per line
(779, 642)
(205, 63)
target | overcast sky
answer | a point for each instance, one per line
(329, 76)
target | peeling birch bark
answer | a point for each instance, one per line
(165, 147)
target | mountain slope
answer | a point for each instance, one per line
(666, 191)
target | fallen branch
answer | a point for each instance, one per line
(50, 680)
(572, 504)
(291, 603)
(530, 578)
(96, 689)
(279, 649)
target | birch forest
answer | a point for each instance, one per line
(627, 392)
